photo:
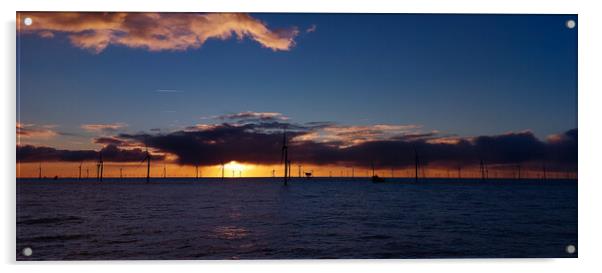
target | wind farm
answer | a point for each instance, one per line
(295, 136)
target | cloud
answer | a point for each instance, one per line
(311, 29)
(95, 31)
(353, 135)
(110, 141)
(106, 128)
(35, 131)
(261, 144)
(327, 143)
(110, 153)
(251, 116)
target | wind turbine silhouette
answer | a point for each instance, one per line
(99, 167)
(416, 164)
(284, 157)
(482, 168)
(147, 158)
(223, 170)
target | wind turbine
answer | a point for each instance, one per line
(284, 157)
(482, 165)
(80, 171)
(223, 170)
(147, 158)
(416, 164)
(99, 167)
(544, 172)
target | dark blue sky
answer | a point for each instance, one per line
(459, 74)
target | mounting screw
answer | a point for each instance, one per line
(571, 24)
(27, 251)
(570, 249)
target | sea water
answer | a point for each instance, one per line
(260, 218)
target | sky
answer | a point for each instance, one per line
(346, 81)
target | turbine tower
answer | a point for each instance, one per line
(99, 167)
(223, 169)
(482, 165)
(284, 157)
(147, 158)
(544, 172)
(416, 163)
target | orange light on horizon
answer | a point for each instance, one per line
(236, 169)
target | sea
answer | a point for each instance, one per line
(318, 218)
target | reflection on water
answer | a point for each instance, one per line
(262, 219)
(230, 232)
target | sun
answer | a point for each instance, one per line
(234, 166)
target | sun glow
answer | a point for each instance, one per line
(235, 168)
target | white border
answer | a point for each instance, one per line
(589, 25)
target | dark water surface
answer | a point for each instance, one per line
(320, 218)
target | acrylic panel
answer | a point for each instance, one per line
(169, 136)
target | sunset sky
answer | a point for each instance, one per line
(350, 89)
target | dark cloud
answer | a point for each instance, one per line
(388, 146)
(110, 141)
(510, 148)
(563, 147)
(261, 143)
(250, 117)
(29, 153)
(110, 153)
(246, 143)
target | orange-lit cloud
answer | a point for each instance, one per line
(35, 131)
(110, 127)
(255, 138)
(353, 135)
(155, 31)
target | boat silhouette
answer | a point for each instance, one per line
(376, 178)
